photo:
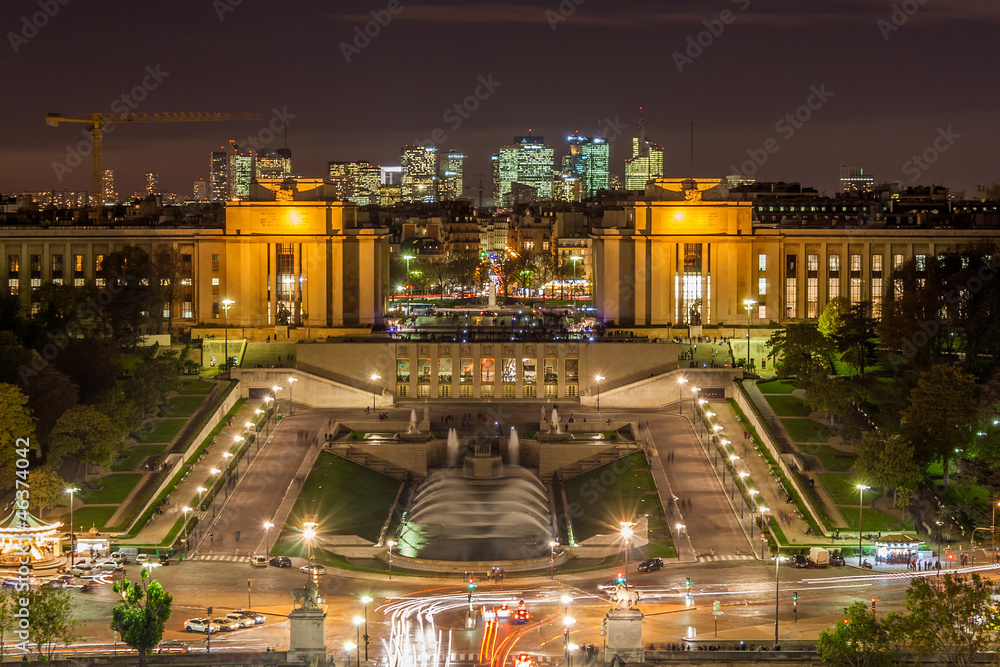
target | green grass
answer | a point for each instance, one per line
(182, 406)
(844, 490)
(346, 498)
(963, 494)
(600, 498)
(193, 386)
(832, 458)
(86, 517)
(874, 521)
(134, 457)
(141, 523)
(775, 387)
(113, 489)
(162, 430)
(787, 406)
(216, 431)
(807, 430)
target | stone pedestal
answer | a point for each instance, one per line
(624, 636)
(306, 636)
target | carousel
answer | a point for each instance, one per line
(897, 549)
(24, 534)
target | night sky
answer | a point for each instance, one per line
(901, 74)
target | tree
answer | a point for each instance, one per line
(957, 619)
(17, 431)
(938, 419)
(86, 433)
(862, 640)
(167, 271)
(46, 488)
(142, 614)
(50, 394)
(131, 312)
(7, 609)
(14, 358)
(462, 268)
(52, 621)
(887, 461)
(92, 364)
(801, 352)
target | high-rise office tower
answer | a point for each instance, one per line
(451, 182)
(525, 168)
(419, 173)
(200, 190)
(359, 182)
(275, 163)
(645, 164)
(854, 179)
(588, 160)
(241, 172)
(152, 183)
(108, 194)
(218, 175)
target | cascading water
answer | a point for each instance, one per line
(452, 448)
(513, 448)
(554, 422)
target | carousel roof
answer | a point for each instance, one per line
(21, 521)
(899, 538)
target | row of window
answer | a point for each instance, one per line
(510, 370)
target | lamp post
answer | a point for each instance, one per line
(743, 476)
(200, 490)
(733, 459)
(749, 304)
(627, 533)
(762, 538)
(275, 389)
(390, 544)
(291, 381)
(680, 387)
(777, 561)
(236, 456)
(214, 472)
(574, 259)
(225, 457)
(185, 510)
(567, 622)
(72, 534)
(552, 559)
(365, 600)
(309, 533)
(861, 489)
(375, 378)
(407, 258)
(350, 646)
(694, 399)
(679, 527)
(753, 497)
(598, 379)
(267, 531)
(267, 416)
(226, 305)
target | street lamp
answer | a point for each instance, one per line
(350, 646)
(749, 304)
(743, 476)
(598, 379)
(291, 381)
(574, 259)
(552, 559)
(763, 510)
(185, 510)
(267, 420)
(214, 472)
(226, 305)
(267, 531)
(777, 561)
(680, 387)
(679, 527)
(732, 460)
(375, 377)
(627, 533)
(200, 490)
(407, 258)
(358, 621)
(753, 493)
(365, 600)
(861, 488)
(72, 535)
(694, 397)
(309, 533)
(390, 544)
(567, 622)
(276, 389)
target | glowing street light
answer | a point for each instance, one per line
(366, 600)
(309, 533)
(226, 305)
(267, 420)
(186, 510)
(407, 259)
(680, 387)
(275, 389)
(267, 531)
(350, 646)
(291, 381)
(598, 379)
(763, 510)
(732, 460)
(375, 377)
(626, 533)
(861, 488)
(215, 473)
(72, 534)
(390, 544)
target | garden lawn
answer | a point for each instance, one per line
(346, 498)
(163, 430)
(874, 521)
(788, 406)
(85, 517)
(807, 430)
(832, 458)
(193, 386)
(134, 456)
(114, 489)
(182, 406)
(844, 490)
(776, 387)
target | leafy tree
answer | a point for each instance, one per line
(462, 267)
(142, 614)
(940, 414)
(7, 609)
(50, 394)
(92, 364)
(887, 461)
(86, 433)
(52, 621)
(132, 311)
(833, 394)
(14, 358)
(167, 271)
(801, 352)
(17, 428)
(46, 488)
(57, 306)
(957, 619)
(863, 640)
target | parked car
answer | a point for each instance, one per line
(108, 565)
(119, 557)
(800, 561)
(258, 561)
(258, 618)
(836, 560)
(201, 625)
(163, 559)
(82, 570)
(280, 561)
(242, 620)
(313, 569)
(651, 565)
(227, 624)
(142, 558)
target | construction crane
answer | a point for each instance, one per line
(99, 121)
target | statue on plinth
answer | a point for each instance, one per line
(307, 597)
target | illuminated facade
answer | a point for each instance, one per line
(646, 164)
(854, 180)
(528, 164)
(108, 193)
(240, 172)
(357, 182)
(152, 183)
(218, 175)
(451, 179)
(273, 164)
(588, 160)
(419, 182)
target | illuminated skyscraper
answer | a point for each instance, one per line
(152, 183)
(274, 163)
(241, 172)
(419, 173)
(200, 191)
(359, 182)
(853, 179)
(451, 183)
(108, 194)
(645, 164)
(218, 175)
(588, 161)
(528, 164)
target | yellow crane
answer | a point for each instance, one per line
(100, 121)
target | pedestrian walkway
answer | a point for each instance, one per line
(220, 558)
(155, 532)
(724, 557)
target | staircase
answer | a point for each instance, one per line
(368, 460)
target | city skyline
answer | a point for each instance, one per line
(868, 60)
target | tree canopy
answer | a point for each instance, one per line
(141, 616)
